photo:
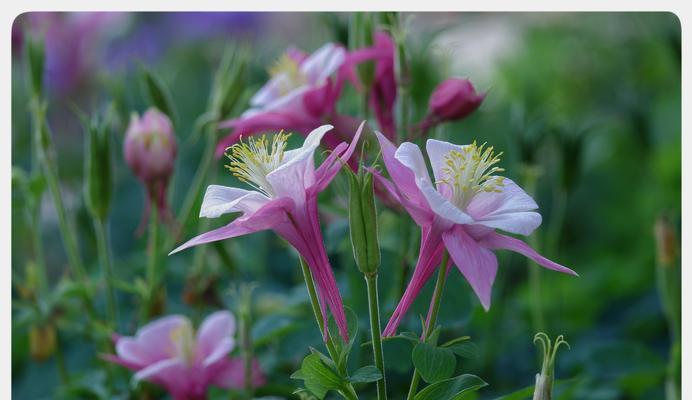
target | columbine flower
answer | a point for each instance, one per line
(286, 185)
(460, 212)
(150, 151)
(168, 352)
(301, 93)
(452, 99)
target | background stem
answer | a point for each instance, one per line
(373, 301)
(432, 318)
(104, 254)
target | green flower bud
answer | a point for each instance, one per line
(361, 35)
(98, 168)
(544, 381)
(362, 217)
(35, 62)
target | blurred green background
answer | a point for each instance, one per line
(585, 106)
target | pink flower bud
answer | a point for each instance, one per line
(150, 146)
(454, 98)
(150, 150)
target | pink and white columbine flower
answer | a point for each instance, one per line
(300, 95)
(286, 185)
(168, 352)
(459, 212)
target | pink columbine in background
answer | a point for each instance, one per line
(383, 91)
(459, 212)
(451, 100)
(300, 95)
(150, 151)
(286, 185)
(169, 353)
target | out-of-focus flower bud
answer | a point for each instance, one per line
(362, 218)
(150, 150)
(666, 242)
(98, 168)
(42, 341)
(35, 55)
(454, 98)
(544, 381)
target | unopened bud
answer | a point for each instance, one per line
(98, 168)
(454, 99)
(150, 151)
(42, 341)
(666, 242)
(362, 216)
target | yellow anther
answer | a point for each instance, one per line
(252, 160)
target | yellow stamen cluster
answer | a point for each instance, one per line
(253, 159)
(183, 340)
(289, 74)
(470, 171)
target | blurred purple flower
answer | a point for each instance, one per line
(169, 353)
(452, 99)
(301, 93)
(73, 43)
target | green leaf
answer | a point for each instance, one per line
(369, 373)
(434, 363)
(451, 389)
(344, 349)
(466, 350)
(158, 94)
(318, 377)
(455, 341)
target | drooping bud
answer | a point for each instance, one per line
(150, 151)
(42, 341)
(544, 381)
(362, 218)
(454, 99)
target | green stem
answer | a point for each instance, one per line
(401, 70)
(347, 389)
(197, 182)
(432, 318)
(152, 264)
(104, 254)
(45, 160)
(312, 292)
(60, 364)
(531, 174)
(246, 348)
(373, 301)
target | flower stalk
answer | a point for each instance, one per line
(432, 318)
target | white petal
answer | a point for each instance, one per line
(323, 63)
(219, 200)
(411, 157)
(510, 210)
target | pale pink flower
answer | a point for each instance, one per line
(168, 352)
(300, 95)
(459, 211)
(286, 186)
